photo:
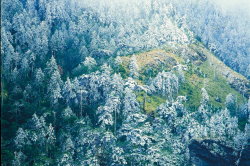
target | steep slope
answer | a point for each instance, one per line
(202, 69)
(69, 99)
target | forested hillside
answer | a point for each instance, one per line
(225, 33)
(122, 83)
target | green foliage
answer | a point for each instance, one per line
(206, 76)
(6, 153)
(149, 102)
(196, 77)
(150, 71)
(242, 123)
(122, 70)
(81, 45)
(81, 69)
(218, 87)
(192, 93)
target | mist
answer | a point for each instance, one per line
(233, 4)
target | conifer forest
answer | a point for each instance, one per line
(125, 83)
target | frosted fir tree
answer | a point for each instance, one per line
(38, 133)
(105, 116)
(114, 103)
(133, 67)
(94, 84)
(28, 93)
(117, 63)
(222, 126)
(19, 159)
(108, 140)
(31, 57)
(39, 79)
(68, 91)
(109, 113)
(67, 113)
(41, 45)
(203, 109)
(54, 81)
(51, 66)
(130, 103)
(168, 113)
(165, 84)
(132, 128)
(241, 140)
(24, 66)
(7, 50)
(76, 85)
(90, 63)
(117, 156)
(117, 84)
(37, 136)
(30, 5)
(95, 39)
(54, 88)
(105, 79)
(231, 103)
(84, 52)
(73, 32)
(58, 41)
(106, 70)
(81, 96)
(21, 138)
(65, 160)
(68, 146)
(51, 138)
(90, 159)
(22, 25)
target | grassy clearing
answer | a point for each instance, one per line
(191, 88)
(151, 62)
(216, 63)
(153, 57)
(149, 103)
(210, 74)
(218, 87)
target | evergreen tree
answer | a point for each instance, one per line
(117, 157)
(68, 91)
(21, 138)
(117, 84)
(231, 103)
(58, 41)
(203, 109)
(105, 116)
(165, 84)
(51, 67)
(54, 88)
(41, 40)
(19, 158)
(39, 79)
(90, 63)
(50, 137)
(133, 67)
